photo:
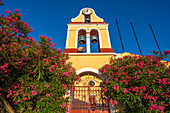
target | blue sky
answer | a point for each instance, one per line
(51, 17)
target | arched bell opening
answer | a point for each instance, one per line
(94, 44)
(81, 41)
(87, 19)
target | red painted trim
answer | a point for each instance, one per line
(98, 22)
(90, 23)
(106, 50)
(76, 22)
(70, 50)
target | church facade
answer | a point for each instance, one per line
(89, 48)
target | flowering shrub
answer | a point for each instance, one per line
(34, 76)
(139, 82)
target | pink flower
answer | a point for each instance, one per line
(167, 52)
(125, 90)
(30, 108)
(159, 81)
(15, 87)
(161, 107)
(49, 39)
(47, 86)
(7, 11)
(165, 104)
(31, 38)
(6, 65)
(113, 102)
(64, 85)
(43, 36)
(126, 82)
(22, 82)
(45, 59)
(153, 107)
(116, 86)
(111, 61)
(154, 99)
(34, 92)
(40, 91)
(168, 71)
(106, 82)
(162, 93)
(17, 10)
(47, 63)
(47, 95)
(20, 16)
(162, 111)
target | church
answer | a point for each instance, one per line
(89, 48)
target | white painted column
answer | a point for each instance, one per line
(88, 42)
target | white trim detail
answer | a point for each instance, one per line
(80, 13)
(76, 38)
(87, 69)
(100, 40)
(91, 20)
(108, 37)
(68, 29)
(118, 54)
(88, 42)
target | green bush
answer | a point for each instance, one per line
(141, 83)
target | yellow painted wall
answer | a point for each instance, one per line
(89, 61)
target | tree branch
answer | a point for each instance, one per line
(6, 104)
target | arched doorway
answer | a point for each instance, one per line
(87, 95)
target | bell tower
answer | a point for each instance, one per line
(88, 41)
(88, 33)
(89, 48)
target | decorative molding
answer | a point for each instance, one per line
(95, 24)
(68, 29)
(80, 13)
(90, 23)
(93, 54)
(87, 69)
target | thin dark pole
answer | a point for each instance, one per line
(136, 38)
(155, 38)
(119, 35)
